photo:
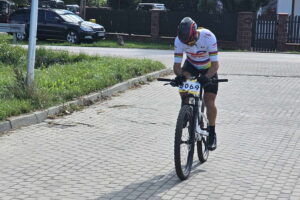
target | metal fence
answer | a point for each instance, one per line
(12, 28)
(224, 26)
(294, 29)
(264, 33)
(122, 21)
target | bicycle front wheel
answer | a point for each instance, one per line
(202, 146)
(184, 142)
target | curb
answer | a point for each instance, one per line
(40, 116)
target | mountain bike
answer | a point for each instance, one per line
(191, 126)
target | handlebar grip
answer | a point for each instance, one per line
(165, 79)
(222, 80)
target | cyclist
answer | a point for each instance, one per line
(200, 47)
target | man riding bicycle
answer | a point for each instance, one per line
(200, 47)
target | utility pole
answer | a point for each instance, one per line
(293, 8)
(32, 42)
(82, 8)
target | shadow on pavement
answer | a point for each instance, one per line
(151, 187)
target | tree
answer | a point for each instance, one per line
(208, 6)
(20, 3)
(243, 5)
(122, 4)
(96, 3)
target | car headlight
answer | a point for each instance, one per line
(86, 28)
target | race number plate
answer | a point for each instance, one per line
(191, 87)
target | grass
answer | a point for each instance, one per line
(60, 77)
(99, 43)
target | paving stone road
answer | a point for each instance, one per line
(123, 148)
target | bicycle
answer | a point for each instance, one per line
(191, 126)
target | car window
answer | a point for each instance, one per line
(41, 17)
(21, 16)
(71, 17)
(50, 16)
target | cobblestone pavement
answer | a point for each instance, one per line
(270, 64)
(123, 148)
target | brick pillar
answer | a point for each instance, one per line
(155, 23)
(282, 31)
(244, 30)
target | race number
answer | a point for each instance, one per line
(191, 87)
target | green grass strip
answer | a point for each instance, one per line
(98, 43)
(60, 77)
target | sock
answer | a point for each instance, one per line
(212, 129)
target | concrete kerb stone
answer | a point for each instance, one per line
(5, 126)
(91, 98)
(23, 120)
(55, 110)
(40, 116)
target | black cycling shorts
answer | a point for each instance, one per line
(188, 67)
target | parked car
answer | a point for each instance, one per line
(150, 6)
(52, 4)
(73, 8)
(58, 24)
(6, 8)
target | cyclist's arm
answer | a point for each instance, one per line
(178, 54)
(213, 69)
(213, 54)
(177, 68)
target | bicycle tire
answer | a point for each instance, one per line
(184, 121)
(202, 146)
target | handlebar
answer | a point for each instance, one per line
(165, 79)
(213, 80)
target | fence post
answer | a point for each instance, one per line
(155, 24)
(282, 31)
(14, 38)
(244, 30)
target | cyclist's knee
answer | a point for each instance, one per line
(209, 101)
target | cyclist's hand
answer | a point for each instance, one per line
(178, 80)
(203, 80)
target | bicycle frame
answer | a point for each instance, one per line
(196, 102)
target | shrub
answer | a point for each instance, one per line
(46, 58)
(12, 55)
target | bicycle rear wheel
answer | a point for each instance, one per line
(202, 146)
(184, 142)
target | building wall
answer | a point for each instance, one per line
(285, 6)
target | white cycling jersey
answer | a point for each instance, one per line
(202, 53)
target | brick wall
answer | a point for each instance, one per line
(244, 32)
(282, 34)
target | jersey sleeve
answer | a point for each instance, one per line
(178, 51)
(212, 46)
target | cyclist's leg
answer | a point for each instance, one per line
(210, 94)
(209, 99)
(188, 70)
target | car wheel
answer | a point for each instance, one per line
(21, 36)
(72, 37)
